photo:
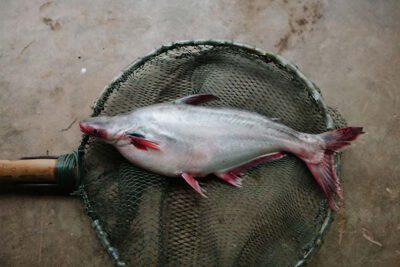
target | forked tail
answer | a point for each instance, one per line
(324, 172)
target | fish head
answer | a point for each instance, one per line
(101, 128)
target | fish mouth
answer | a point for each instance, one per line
(90, 129)
(84, 127)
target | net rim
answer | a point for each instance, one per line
(123, 75)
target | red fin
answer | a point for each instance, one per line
(193, 183)
(230, 178)
(340, 138)
(261, 159)
(196, 99)
(323, 171)
(143, 144)
(325, 176)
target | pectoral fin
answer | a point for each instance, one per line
(196, 99)
(193, 183)
(140, 142)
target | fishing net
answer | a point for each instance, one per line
(277, 218)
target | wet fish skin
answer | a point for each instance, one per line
(178, 139)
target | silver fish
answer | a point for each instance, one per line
(182, 139)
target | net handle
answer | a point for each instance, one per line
(37, 171)
(62, 170)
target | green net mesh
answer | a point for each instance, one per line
(276, 219)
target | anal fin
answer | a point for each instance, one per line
(261, 159)
(230, 178)
(193, 183)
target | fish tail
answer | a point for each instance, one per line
(323, 171)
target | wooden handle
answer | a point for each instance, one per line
(28, 171)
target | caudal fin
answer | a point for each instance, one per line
(324, 172)
(340, 138)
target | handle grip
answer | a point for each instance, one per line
(40, 171)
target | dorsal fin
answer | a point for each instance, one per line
(196, 99)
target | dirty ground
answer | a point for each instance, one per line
(56, 56)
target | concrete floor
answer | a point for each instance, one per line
(351, 49)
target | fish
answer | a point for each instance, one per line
(185, 139)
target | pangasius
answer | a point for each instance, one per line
(181, 138)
